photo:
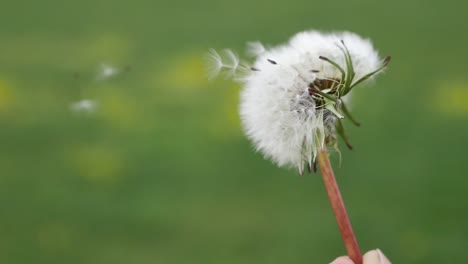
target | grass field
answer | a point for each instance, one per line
(161, 172)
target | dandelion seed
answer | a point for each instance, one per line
(233, 61)
(84, 106)
(107, 71)
(214, 63)
(255, 49)
(272, 61)
(227, 63)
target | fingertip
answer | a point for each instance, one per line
(343, 260)
(375, 257)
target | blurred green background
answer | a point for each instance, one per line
(160, 172)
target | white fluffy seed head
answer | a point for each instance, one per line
(279, 113)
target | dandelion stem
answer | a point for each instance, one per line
(338, 206)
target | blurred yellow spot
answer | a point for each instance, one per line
(6, 96)
(225, 122)
(97, 163)
(185, 72)
(231, 107)
(54, 237)
(121, 110)
(452, 98)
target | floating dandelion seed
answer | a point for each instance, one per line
(294, 97)
(107, 71)
(227, 63)
(84, 106)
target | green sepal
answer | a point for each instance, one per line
(340, 130)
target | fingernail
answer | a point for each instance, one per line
(382, 258)
(375, 257)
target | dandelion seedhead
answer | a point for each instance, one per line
(294, 95)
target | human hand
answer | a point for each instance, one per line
(372, 257)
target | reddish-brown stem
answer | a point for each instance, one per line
(338, 206)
